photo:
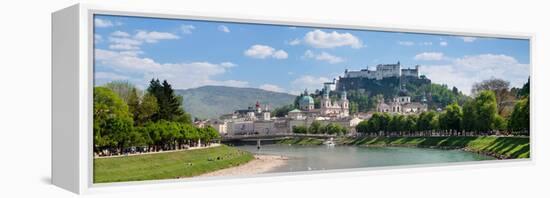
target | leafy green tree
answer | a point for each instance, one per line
(410, 123)
(469, 117)
(519, 119)
(427, 121)
(500, 88)
(397, 123)
(147, 108)
(362, 127)
(112, 120)
(486, 106)
(451, 119)
(282, 111)
(123, 89)
(374, 124)
(315, 127)
(299, 129)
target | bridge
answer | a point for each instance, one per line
(274, 136)
(258, 138)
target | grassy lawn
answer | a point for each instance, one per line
(168, 165)
(506, 147)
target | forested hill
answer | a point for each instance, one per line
(213, 101)
(364, 93)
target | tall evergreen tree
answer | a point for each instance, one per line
(169, 104)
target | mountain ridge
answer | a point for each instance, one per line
(211, 101)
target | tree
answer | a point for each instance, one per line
(362, 127)
(486, 107)
(397, 123)
(299, 129)
(410, 123)
(427, 121)
(123, 89)
(469, 116)
(112, 120)
(146, 109)
(524, 91)
(500, 87)
(282, 111)
(315, 127)
(451, 119)
(170, 105)
(133, 101)
(519, 119)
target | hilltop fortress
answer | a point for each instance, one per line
(384, 71)
(382, 79)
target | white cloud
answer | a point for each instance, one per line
(264, 51)
(109, 76)
(224, 28)
(294, 42)
(405, 43)
(123, 47)
(181, 75)
(468, 39)
(464, 72)
(102, 23)
(429, 56)
(426, 43)
(228, 64)
(308, 82)
(323, 56)
(271, 87)
(153, 37)
(120, 34)
(98, 38)
(187, 29)
(321, 39)
(123, 41)
(443, 43)
(280, 54)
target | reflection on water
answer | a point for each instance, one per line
(303, 158)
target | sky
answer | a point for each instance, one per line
(191, 53)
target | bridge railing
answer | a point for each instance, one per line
(275, 135)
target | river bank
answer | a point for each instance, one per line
(498, 147)
(169, 165)
(260, 164)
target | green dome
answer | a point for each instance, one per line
(306, 100)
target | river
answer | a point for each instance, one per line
(303, 158)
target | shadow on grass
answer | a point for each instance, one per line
(507, 147)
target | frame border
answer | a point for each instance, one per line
(86, 82)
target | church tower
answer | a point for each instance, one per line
(344, 103)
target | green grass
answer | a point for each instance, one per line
(301, 141)
(501, 147)
(168, 165)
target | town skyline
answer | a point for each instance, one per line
(289, 59)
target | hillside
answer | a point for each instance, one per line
(213, 101)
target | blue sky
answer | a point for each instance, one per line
(289, 59)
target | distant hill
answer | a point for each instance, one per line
(213, 101)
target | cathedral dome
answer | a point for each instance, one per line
(306, 100)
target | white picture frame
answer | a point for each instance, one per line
(72, 99)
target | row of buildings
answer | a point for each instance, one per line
(257, 120)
